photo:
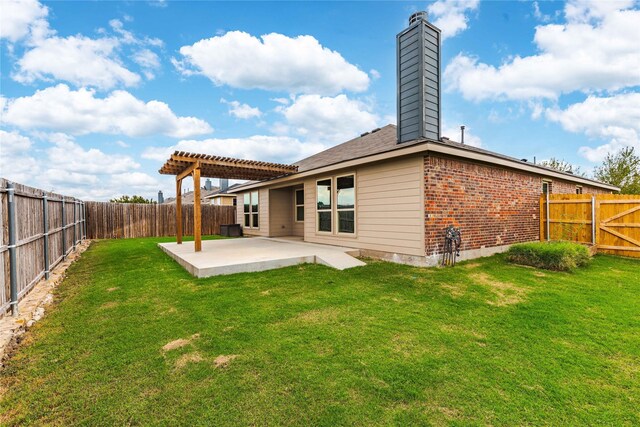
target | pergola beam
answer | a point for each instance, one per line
(188, 171)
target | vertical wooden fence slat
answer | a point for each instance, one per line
(39, 237)
(609, 221)
(129, 220)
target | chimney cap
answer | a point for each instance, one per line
(418, 16)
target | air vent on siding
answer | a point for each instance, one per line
(418, 86)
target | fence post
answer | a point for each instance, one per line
(84, 221)
(45, 231)
(548, 219)
(593, 220)
(13, 267)
(64, 233)
(75, 223)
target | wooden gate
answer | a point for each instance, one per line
(610, 222)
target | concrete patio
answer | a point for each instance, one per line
(252, 254)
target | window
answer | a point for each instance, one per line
(299, 205)
(254, 210)
(546, 187)
(578, 189)
(323, 197)
(346, 203)
(251, 210)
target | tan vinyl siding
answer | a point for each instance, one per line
(281, 212)
(389, 208)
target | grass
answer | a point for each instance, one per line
(483, 343)
(561, 256)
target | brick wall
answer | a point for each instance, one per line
(494, 206)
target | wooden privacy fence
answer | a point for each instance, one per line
(39, 229)
(125, 220)
(610, 222)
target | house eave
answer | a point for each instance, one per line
(433, 147)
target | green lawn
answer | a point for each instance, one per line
(482, 343)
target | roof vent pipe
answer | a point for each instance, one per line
(462, 134)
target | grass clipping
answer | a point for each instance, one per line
(559, 256)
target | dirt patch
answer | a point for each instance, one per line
(110, 304)
(539, 274)
(188, 358)
(505, 293)
(115, 288)
(223, 361)
(179, 343)
(267, 292)
(456, 290)
(472, 265)
(322, 315)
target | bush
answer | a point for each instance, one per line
(561, 256)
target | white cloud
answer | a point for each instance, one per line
(148, 60)
(20, 18)
(596, 50)
(69, 168)
(616, 119)
(13, 142)
(451, 15)
(68, 155)
(274, 62)
(241, 111)
(84, 61)
(76, 59)
(375, 74)
(330, 120)
(80, 112)
(122, 144)
(279, 149)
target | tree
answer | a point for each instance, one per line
(131, 199)
(621, 169)
(562, 166)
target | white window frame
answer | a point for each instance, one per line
(296, 205)
(354, 209)
(331, 194)
(251, 211)
(579, 189)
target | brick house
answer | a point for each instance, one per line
(392, 192)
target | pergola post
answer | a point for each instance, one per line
(197, 216)
(179, 210)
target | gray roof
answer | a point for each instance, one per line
(385, 139)
(374, 142)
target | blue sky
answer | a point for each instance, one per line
(95, 95)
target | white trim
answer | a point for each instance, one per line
(251, 212)
(317, 225)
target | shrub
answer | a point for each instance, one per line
(561, 256)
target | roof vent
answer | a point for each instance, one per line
(524, 160)
(375, 130)
(444, 138)
(364, 134)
